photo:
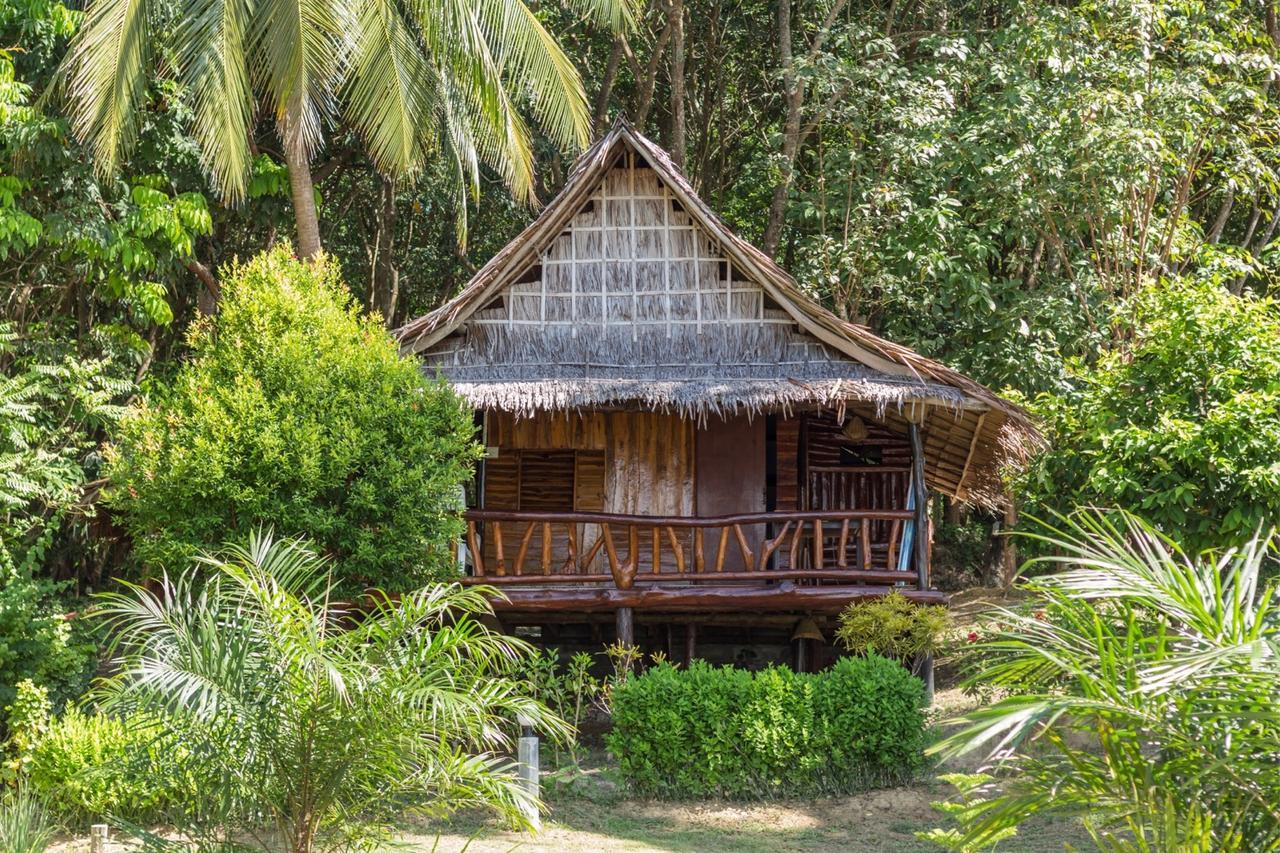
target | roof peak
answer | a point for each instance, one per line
(584, 182)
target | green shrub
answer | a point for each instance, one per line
(894, 627)
(36, 640)
(297, 412)
(90, 766)
(707, 731)
(27, 720)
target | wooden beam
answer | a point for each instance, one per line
(626, 624)
(784, 596)
(832, 515)
(973, 446)
(920, 537)
(855, 577)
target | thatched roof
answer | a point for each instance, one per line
(627, 290)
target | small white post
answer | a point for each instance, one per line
(528, 767)
(98, 838)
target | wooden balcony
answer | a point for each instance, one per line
(812, 561)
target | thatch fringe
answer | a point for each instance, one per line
(737, 351)
(725, 370)
(696, 399)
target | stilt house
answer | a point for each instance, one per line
(679, 439)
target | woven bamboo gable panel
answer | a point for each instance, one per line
(632, 262)
(634, 290)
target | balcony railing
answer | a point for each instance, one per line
(582, 548)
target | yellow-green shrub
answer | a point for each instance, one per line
(891, 625)
(91, 766)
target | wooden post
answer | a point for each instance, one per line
(527, 762)
(690, 642)
(926, 675)
(626, 622)
(98, 835)
(920, 539)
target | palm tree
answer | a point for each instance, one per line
(313, 719)
(1140, 696)
(415, 78)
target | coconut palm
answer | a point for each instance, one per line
(312, 719)
(414, 78)
(1141, 696)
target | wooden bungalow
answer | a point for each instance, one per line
(678, 436)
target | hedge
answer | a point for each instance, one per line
(708, 731)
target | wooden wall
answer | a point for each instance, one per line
(631, 463)
(645, 460)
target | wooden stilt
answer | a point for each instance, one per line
(690, 642)
(626, 622)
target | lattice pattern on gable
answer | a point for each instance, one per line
(632, 257)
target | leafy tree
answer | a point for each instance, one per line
(411, 79)
(320, 721)
(296, 411)
(116, 246)
(1140, 697)
(51, 415)
(1181, 421)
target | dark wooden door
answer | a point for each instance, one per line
(729, 476)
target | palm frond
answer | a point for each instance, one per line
(107, 77)
(298, 51)
(397, 700)
(1146, 679)
(211, 43)
(391, 89)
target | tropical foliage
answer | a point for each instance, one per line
(91, 767)
(570, 690)
(319, 720)
(294, 410)
(25, 824)
(1180, 422)
(1139, 696)
(410, 80)
(54, 407)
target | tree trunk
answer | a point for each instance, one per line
(207, 298)
(600, 115)
(301, 189)
(1220, 221)
(793, 94)
(1009, 551)
(645, 85)
(677, 84)
(384, 279)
